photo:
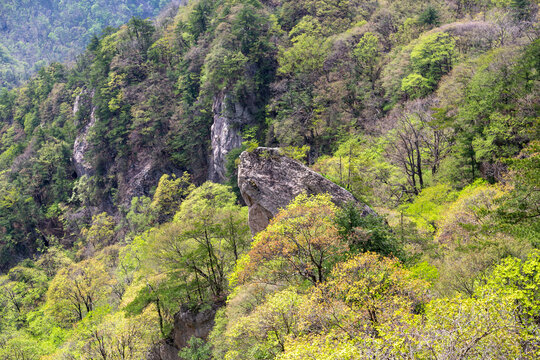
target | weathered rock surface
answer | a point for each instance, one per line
(163, 351)
(135, 174)
(225, 134)
(81, 146)
(187, 323)
(268, 181)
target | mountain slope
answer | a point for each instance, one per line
(428, 113)
(36, 33)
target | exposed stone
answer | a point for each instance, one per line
(268, 181)
(229, 117)
(187, 323)
(81, 146)
(163, 351)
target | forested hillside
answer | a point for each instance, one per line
(120, 211)
(36, 33)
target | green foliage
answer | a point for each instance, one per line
(430, 16)
(359, 166)
(428, 208)
(169, 195)
(404, 116)
(487, 116)
(57, 32)
(197, 349)
(431, 58)
(188, 260)
(307, 54)
(416, 86)
(518, 211)
(367, 233)
(76, 290)
(518, 281)
(297, 153)
(101, 233)
(302, 236)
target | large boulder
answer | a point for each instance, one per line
(268, 181)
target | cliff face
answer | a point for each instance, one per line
(229, 118)
(268, 181)
(187, 323)
(133, 175)
(80, 147)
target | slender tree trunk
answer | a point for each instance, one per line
(419, 164)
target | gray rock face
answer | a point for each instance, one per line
(225, 133)
(187, 323)
(81, 146)
(268, 181)
(163, 351)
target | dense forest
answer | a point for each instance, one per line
(36, 33)
(427, 111)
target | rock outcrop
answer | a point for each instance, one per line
(81, 146)
(229, 118)
(268, 181)
(187, 323)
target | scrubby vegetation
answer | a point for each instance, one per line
(426, 111)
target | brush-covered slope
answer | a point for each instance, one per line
(425, 111)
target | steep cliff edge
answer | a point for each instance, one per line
(81, 145)
(268, 181)
(229, 118)
(187, 323)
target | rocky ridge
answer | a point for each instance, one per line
(268, 181)
(229, 118)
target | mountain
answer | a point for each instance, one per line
(36, 33)
(122, 220)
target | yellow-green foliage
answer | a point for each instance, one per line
(428, 207)
(101, 232)
(359, 166)
(405, 104)
(77, 290)
(169, 194)
(471, 240)
(301, 242)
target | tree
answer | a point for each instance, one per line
(301, 242)
(199, 18)
(197, 349)
(361, 295)
(472, 239)
(140, 32)
(140, 215)
(517, 280)
(187, 261)
(416, 86)
(119, 337)
(262, 331)
(456, 328)
(367, 233)
(367, 53)
(407, 152)
(431, 58)
(75, 290)
(519, 211)
(170, 193)
(101, 233)
(430, 16)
